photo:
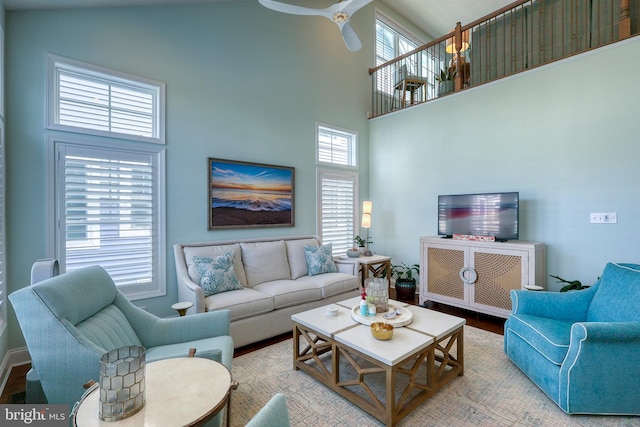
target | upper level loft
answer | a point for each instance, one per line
(521, 36)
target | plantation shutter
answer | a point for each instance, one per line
(101, 105)
(338, 195)
(108, 210)
(335, 147)
(88, 99)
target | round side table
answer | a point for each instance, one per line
(182, 307)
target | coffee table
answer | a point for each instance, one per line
(387, 379)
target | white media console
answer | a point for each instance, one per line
(478, 275)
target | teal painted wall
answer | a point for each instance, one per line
(565, 136)
(243, 82)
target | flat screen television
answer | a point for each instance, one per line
(486, 214)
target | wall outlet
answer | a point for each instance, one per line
(603, 218)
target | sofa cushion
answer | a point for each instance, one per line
(213, 251)
(242, 303)
(297, 257)
(319, 259)
(286, 293)
(217, 274)
(332, 283)
(616, 299)
(549, 337)
(265, 261)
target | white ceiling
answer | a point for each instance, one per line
(435, 17)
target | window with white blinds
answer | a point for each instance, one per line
(108, 204)
(3, 235)
(336, 147)
(337, 187)
(88, 99)
(391, 42)
(338, 205)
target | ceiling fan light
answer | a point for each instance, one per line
(340, 17)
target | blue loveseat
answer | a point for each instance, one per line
(582, 347)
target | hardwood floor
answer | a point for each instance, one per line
(17, 378)
(16, 383)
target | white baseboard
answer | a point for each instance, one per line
(13, 358)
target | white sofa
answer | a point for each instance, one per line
(275, 283)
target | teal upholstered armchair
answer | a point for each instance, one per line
(273, 414)
(581, 348)
(71, 320)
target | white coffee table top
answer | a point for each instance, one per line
(317, 320)
(404, 343)
(433, 322)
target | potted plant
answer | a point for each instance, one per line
(446, 80)
(363, 245)
(573, 285)
(359, 241)
(405, 282)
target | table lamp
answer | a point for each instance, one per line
(366, 223)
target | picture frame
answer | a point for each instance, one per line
(249, 195)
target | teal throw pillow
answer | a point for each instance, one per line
(216, 274)
(319, 259)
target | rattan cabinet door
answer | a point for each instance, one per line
(498, 272)
(443, 272)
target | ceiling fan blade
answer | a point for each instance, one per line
(352, 6)
(292, 9)
(350, 38)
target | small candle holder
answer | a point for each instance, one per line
(377, 290)
(122, 388)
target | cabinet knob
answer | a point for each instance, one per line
(468, 275)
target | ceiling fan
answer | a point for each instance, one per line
(340, 13)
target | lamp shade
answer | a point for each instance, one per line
(366, 220)
(451, 46)
(366, 207)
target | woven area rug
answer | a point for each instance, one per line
(492, 393)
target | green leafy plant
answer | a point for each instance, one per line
(571, 285)
(361, 242)
(404, 271)
(445, 75)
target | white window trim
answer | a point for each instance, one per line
(54, 62)
(398, 28)
(159, 285)
(356, 136)
(3, 233)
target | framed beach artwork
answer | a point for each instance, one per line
(243, 195)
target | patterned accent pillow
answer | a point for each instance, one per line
(319, 259)
(216, 274)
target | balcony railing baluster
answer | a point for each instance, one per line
(520, 36)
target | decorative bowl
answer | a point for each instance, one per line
(353, 253)
(381, 331)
